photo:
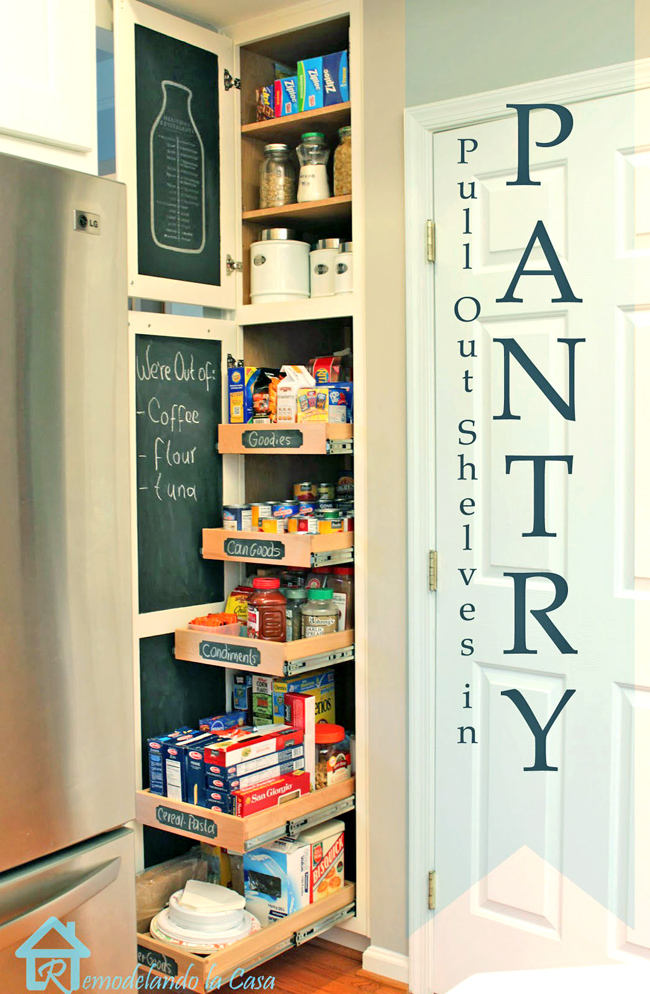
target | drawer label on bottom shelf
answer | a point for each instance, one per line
(254, 548)
(291, 438)
(157, 961)
(223, 653)
(185, 821)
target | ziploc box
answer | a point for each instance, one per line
(157, 757)
(319, 685)
(336, 80)
(221, 777)
(251, 745)
(286, 96)
(241, 381)
(310, 84)
(276, 880)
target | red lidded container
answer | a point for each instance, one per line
(267, 610)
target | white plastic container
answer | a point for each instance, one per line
(322, 267)
(279, 267)
(343, 275)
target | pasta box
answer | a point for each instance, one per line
(271, 793)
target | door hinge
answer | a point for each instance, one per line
(230, 81)
(232, 266)
(433, 570)
(432, 890)
(431, 241)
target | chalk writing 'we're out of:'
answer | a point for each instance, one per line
(183, 369)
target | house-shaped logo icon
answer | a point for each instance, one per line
(58, 967)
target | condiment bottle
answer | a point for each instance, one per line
(267, 610)
(320, 615)
(313, 154)
(296, 597)
(341, 582)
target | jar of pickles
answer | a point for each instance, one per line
(343, 164)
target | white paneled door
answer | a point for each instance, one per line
(543, 867)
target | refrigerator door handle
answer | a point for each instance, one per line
(86, 887)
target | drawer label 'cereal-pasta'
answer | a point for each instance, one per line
(185, 821)
(261, 438)
(253, 548)
(222, 652)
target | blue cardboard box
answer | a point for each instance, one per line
(158, 755)
(310, 84)
(336, 79)
(222, 722)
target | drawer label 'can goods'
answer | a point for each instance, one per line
(269, 439)
(253, 548)
(221, 652)
(185, 821)
(157, 961)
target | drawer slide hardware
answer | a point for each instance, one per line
(317, 662)
(230, 81)
(340, 446)
(305, 934)
(336, 558)
(293, 828)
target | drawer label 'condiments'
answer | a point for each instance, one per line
(185, 821)
(253, 548)
(157, 961)
(261, 438)
(221, 652)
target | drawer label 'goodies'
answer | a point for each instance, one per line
(253, 548)
(268, 439)
(185, 821)
(240, 655)
(157, 961)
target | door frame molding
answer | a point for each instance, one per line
(420, 125)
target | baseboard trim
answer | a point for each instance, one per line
(387, 965)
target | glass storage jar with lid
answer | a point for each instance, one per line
(313, 154)
(343, 164)
(277, 176)
(333, 755)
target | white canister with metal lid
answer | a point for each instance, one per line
(343, 275)
(279, 267)
(322, 266)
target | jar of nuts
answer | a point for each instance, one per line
(277, 177)
(343, 164)
(333, 758)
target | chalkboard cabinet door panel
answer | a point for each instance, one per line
(162, 959)
(239, 834)
(299, 439)
(279, 550)
(175, 122)
(233, 652)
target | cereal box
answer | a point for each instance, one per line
(336, 88)
(319, 685)
(310, 84)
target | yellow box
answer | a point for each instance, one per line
(312, 404)
(319, 685)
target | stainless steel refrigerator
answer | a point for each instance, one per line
(66, 673)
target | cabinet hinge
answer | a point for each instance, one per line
(232, 266)
(433, 570)
(432, 890)
(230, 81)
(431, 241)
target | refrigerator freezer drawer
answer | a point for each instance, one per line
(66, 670)
(87, 895)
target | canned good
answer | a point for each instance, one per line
(259, 511)
(237, 517)
(348, 522)
(274, 525)
(324, 504)
(329, 513)
(327, 490)
(327, 525)
(303, 491)
(306, 506)
(284, 509)
(303, 523)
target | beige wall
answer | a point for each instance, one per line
(383, 80)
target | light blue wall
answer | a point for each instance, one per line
(456, 47)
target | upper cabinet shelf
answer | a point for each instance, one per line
(334, 209)
(328, 120)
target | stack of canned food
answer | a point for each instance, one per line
(315, 509)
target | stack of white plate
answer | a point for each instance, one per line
(204, 917)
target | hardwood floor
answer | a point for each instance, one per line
(321, 967)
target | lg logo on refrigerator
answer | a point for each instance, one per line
(83, 221)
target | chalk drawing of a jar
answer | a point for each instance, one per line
(177, 173)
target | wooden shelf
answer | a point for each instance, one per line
(167, 960)
(278, 550)
(241, 834)
(314, 439)
(327, 120)
(341, 305)
(334, 209)
(282, 659)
